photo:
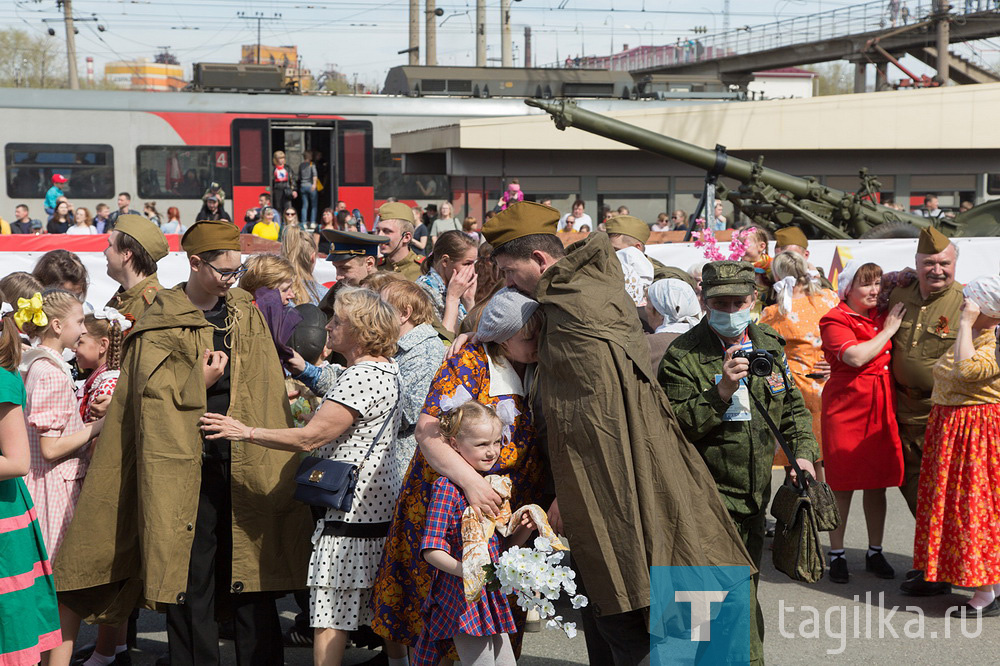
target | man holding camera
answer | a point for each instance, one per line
(717, 380)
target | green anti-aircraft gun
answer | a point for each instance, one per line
(775, 199)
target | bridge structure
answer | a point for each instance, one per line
(874, 33)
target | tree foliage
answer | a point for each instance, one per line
(835, 78)
(29, 61)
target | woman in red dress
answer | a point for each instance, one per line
(861, 445)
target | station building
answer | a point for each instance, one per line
(941, 140)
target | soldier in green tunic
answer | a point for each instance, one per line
(928, 330)
(632, 491)
(709, 387)
(396, 224)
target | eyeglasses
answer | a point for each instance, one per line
(289, 214)
(228, 275)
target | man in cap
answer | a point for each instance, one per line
(711, 392)
(134, 248)
(928, 330)
(622, 468)
(53, 193)
(396, 224)
(792, 239)
(168, 519)
(354, 255)
(627, 231)
(213, 210)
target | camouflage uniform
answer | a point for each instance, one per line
(738, 453)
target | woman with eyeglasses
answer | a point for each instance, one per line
(291, 218)
(269, 227)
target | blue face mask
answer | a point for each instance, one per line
(729, 324)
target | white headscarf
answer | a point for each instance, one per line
(846, 277)
(677, 302)
(985, 292)
(638, 271)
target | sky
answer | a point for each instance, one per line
(361, 37)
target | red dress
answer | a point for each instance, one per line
(861, 446)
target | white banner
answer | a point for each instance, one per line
(978, 256)
(171, 270)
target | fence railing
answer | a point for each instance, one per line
(860, 19)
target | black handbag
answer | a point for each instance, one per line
(801, 512)
(331, 483)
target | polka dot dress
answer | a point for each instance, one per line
(342, 569)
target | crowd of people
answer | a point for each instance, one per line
(153, 446)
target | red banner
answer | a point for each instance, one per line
(46, 242)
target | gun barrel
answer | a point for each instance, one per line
(568, 114)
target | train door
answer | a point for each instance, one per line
(342, 153)
(251, 164)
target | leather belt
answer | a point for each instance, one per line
(356, 530)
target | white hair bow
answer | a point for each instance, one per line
(783, 289)
(452, 403)
(507, 412)
(112, 315)
(6, 309)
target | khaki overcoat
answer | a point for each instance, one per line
(130, 542)
(633, 492)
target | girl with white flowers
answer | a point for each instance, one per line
(480, 629)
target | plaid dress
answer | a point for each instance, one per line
(52, 411)
(446, 612)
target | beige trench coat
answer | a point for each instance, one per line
(130, 542)
(633, 492)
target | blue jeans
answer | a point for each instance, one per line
(310, 201)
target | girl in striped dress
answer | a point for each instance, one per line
(27, 591)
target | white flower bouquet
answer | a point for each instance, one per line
(524, 572)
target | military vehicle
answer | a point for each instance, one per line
(774, 199)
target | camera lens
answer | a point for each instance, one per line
(761, 367)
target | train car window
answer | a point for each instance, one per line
(354, 149)
(88, 168)
(391, 182)
(250, 152)
(181, 172)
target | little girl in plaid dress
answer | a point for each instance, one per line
(479, 629)
(59, 441)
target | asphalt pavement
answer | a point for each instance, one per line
(841, 624)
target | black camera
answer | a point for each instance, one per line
(761, 362)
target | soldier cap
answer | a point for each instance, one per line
(932, 241)
(209, 235)
(395, 211)
(628, 225)
(147, 234)
(727, 278)
(524, 218)
(790, 236)
(348, 244)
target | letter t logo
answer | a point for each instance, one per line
(701, 610)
